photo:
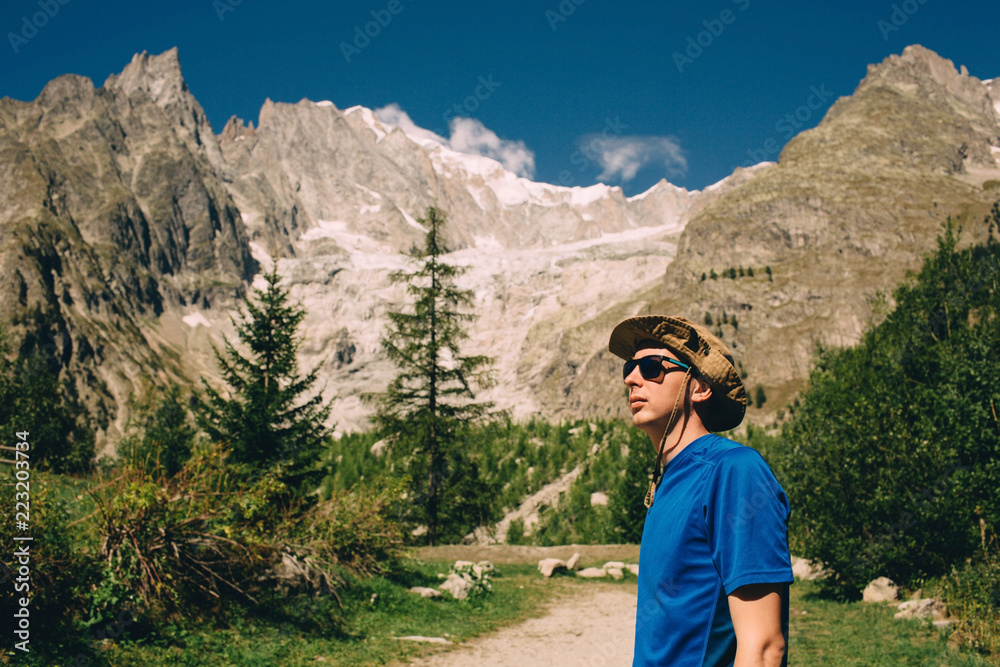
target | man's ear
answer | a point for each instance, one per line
(700, 390)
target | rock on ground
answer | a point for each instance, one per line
(425, 592)
(592, 572)
(930, 608)
(804, 569)
(456, 586)
(548, 566)
(882, 589)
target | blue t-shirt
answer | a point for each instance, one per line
(719, 521)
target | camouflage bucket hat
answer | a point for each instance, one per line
(694, 345)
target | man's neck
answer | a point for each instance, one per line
(681, 436)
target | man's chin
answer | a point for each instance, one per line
(640, 421)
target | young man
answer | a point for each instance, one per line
(714, 567)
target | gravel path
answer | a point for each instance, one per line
(592, 627)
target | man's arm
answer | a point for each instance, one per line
(757, 611)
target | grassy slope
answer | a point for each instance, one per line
(823, 632)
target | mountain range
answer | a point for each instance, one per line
(129, 231)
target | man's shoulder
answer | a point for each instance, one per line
(714, 448)
(725, 457)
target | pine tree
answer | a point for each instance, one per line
(33, 399)
(750, 271)
(262, 418)
(159, 432)
(427, 405)
(760, 397)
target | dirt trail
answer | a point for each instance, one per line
(590, 627)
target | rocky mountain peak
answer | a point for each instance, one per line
(158, 78)
(236, 127)
(66, 91)
(923, 70)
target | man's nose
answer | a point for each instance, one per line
(634, 378)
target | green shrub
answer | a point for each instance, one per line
(355, 530)
(159, 433)
(479, 575)
(59, 574)
(972, 594)
(760, 396)
(890, 461)
(621, 469)
(515, 532)
(179, 543)
(33, 399)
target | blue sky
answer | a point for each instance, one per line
(576, 91)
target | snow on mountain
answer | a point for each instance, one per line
(539, 256)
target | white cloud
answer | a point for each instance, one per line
(468, 135)
(621, 158)
(392, 114)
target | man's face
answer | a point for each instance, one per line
(651, 401)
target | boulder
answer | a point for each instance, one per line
(482, 567)
(456, 586)
(592, 572)
(930, 608)
(599, 498)
(425, 592)
(548, 566)
(573, 562)
(882, 589)
(615, 572)
(463, 563)
(633, 568)
(296, 575)
(804, 569)
(614, 564)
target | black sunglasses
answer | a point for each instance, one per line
(650, 367)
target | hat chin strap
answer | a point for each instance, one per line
(658, 470)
